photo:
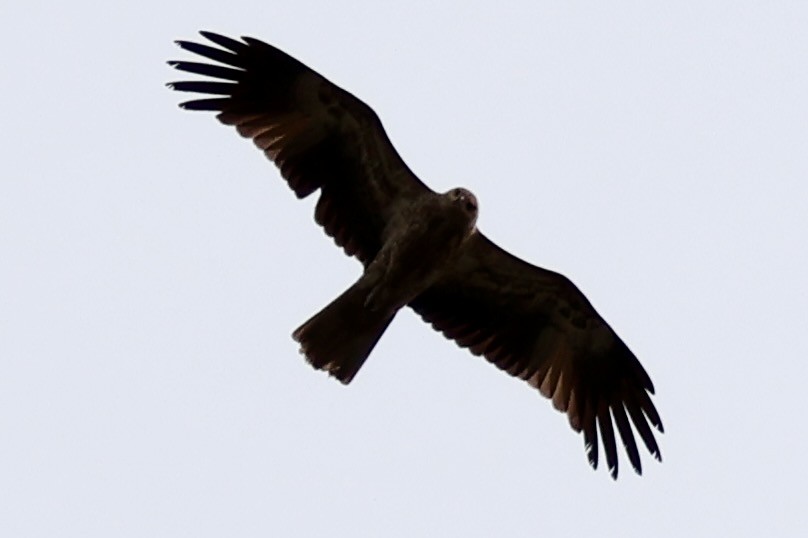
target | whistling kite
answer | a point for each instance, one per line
(420, 249)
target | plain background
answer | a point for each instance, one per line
(153, 266)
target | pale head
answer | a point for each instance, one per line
(464, 199)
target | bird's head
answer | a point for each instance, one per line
(464, 199)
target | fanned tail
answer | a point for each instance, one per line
(340, 337)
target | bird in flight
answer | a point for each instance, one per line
(420, 249)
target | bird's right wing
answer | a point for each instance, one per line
(319, 135)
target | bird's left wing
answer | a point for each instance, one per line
(536, 325)
(319, 135)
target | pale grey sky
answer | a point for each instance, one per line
(153, 266)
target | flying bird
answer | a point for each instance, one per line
(419, 249)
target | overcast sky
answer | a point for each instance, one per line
(153, 266)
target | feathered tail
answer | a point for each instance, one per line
(340, 337)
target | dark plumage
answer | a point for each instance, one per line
(420, 249)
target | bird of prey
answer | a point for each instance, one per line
(419, 249)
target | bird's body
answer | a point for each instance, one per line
(421, 241)
(420, 249)
(426, 236)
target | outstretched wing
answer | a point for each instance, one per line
(536, 325)
(319, 135)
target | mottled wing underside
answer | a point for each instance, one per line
(319, 135)
(536, 325)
